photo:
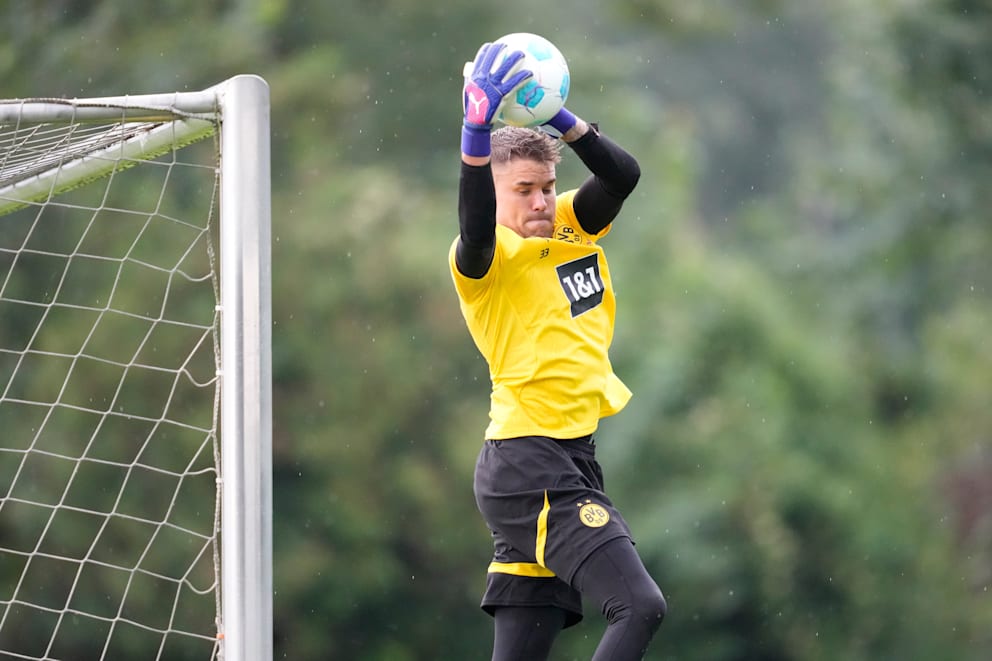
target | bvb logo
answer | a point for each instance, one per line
(593, 514)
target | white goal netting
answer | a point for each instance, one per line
(110, 394)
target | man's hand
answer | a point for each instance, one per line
(483, 95)
(484, 88)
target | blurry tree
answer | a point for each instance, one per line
(856, 256)
(803, 287)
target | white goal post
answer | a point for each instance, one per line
(123, 494)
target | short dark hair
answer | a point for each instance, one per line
(510, 142)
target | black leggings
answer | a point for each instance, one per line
(614, 577)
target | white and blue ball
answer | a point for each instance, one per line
(539, 98)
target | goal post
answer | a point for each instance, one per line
(135, 485)
(246, 395)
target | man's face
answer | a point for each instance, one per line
(525, 196)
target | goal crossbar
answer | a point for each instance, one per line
(134, 107)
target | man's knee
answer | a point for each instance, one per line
(651, 606)
(645, 604)
(615, 577)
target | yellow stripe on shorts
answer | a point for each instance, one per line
(531, 569)
(542, 530)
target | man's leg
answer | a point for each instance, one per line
(525, 633)
(614, 577)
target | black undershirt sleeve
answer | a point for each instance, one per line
(614, 175)
(476, 220)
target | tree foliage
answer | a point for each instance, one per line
(803, 290)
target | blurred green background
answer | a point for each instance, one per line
(803, 280)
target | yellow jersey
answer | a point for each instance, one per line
(543, 318)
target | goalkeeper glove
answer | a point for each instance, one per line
(483, 94)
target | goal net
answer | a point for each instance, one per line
(135, 390)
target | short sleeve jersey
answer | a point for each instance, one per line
(543, 318)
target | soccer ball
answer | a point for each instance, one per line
(539, 98)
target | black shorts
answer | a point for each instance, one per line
(543, 500)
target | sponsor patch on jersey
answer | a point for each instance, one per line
(582, 283)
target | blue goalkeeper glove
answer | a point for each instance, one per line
(483, 94)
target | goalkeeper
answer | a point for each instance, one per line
(535, 290)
